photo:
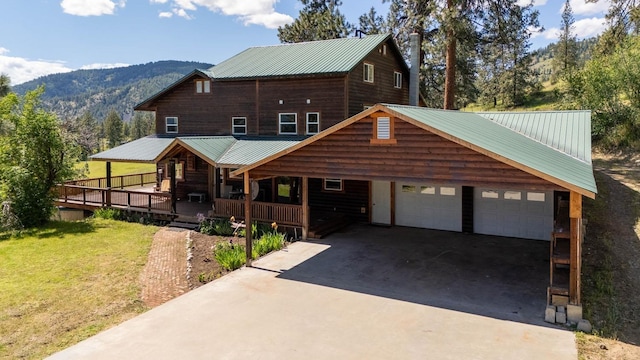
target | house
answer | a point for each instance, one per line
(263, 137)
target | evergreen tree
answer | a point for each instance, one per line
(623, 18)
(142, 124)
(113, 129)
(565, 60)
(372, 23)
(318, 20)
(5, 85)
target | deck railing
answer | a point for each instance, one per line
(120, 181)
(285, 214)
(101, 197)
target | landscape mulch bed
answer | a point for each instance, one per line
(204, 267)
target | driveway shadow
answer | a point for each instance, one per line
(498, 277)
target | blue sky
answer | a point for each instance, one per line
(40, 37)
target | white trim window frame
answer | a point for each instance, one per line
(397, 80)
(239, 125)
(313, 123)
(369, 73)
(171, 124)
(288, 123)
(332, 184)
(203, 86)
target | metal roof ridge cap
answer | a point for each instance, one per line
(235, 141)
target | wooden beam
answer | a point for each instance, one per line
(108, 185)
(575, 218)
(392, 203)
(172, 185)
(247, 217)
(305, 207)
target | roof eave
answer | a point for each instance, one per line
(147, 105)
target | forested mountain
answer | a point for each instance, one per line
(542, 59)
(70, 95)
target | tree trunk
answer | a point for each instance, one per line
(450, 72)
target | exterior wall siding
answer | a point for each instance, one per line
(348, 202)
(418, 156)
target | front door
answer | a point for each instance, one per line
(381, 202)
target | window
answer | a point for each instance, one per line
(239, 125)
(532, 196)
(447, 191)
(397, 80)
(171, 124)
(288, 123)
(313, 123)
(332, 184)
(408, 188)
(490, 194)
(180, 170)
(368, 73)
(428, 190)
(203, 86)
(512, 195)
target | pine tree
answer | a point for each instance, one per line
(5, 85)
(318, 20)
(565, 60)
(113, 129)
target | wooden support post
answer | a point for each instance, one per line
(108, 195)
(305, 207)
(172, 186)
(392, 203)
(575, 258)
(247, 217)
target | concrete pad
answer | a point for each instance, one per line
(338, 299)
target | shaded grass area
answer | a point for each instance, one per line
(98, 169)
(68, 281)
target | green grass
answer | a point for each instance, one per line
(98, 169)
(67, 281)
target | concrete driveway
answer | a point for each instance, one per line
(365, 293)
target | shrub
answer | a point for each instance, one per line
(220, 227)
(109, 214)
(270, 241)
(230, 256)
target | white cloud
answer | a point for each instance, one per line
(584, 28)
(165, 14)
(535, 2)
(91, 7)
(21, 70)
(103, 66)
(255, 12)
(583, 8)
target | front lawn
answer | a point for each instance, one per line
(98, 169)
(67, 281)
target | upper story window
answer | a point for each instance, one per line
(239, 125)
(203, 86)
(313, 123)
(368, 73)
(397, 80)
(383, 131)
(288, 123)
(171, 124)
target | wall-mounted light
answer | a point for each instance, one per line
(281, 102)
(308, 101)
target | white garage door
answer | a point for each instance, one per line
(429, 206)
(523, 214)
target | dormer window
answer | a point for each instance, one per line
(203, 86)
(368, 73)
(383, 131)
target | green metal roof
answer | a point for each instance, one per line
(500, 140)
(567, 131)
(209, 147)
(306, 58)
(145, 149)
(248, 151)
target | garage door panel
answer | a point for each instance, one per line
(513, 213)
(429, 206)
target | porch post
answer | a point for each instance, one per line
(172, 185)
(575, 240)
(305, 207)
(247, 217)
(108, 184)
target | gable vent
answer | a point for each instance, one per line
(384, 128)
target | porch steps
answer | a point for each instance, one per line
(183, 225)
(320, 229)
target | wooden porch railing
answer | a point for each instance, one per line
(90, 197)
(285, 214)
(120, 181)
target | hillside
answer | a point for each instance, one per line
(98, 91)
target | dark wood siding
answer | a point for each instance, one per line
(382, 89)
(418, 156)
(350, 201)
(195, 179)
